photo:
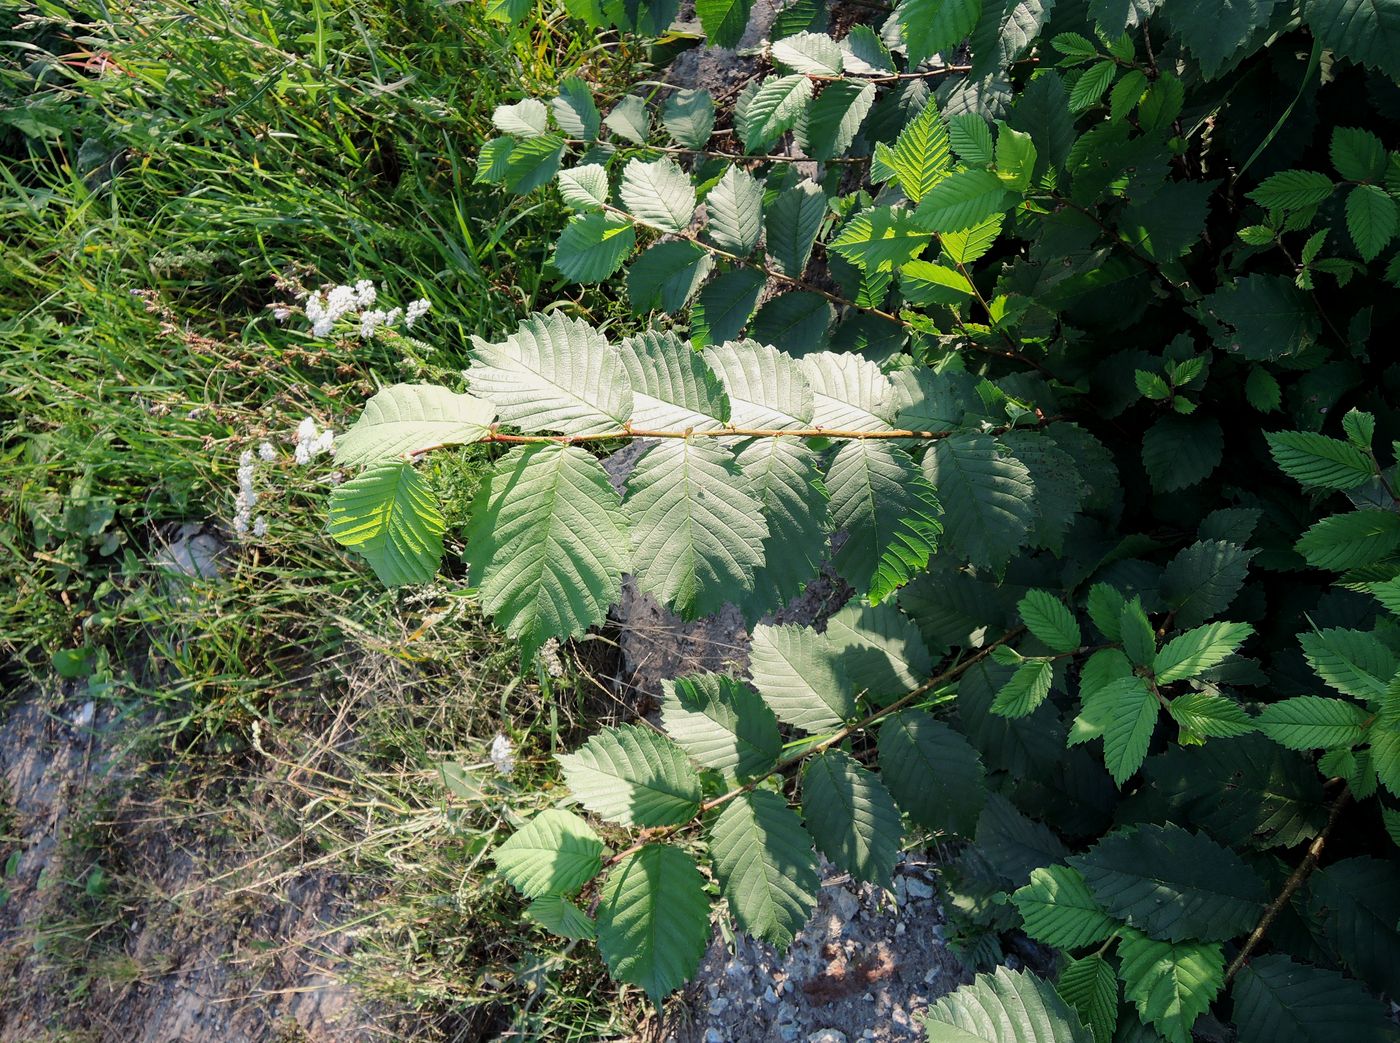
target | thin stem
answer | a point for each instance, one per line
(736, 157)
(952, 673)
(1291, 885)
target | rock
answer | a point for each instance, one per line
(917, 888)
(827, 1036)
(845, 905)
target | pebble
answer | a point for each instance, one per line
(827, 1036)
(769, 996)
(713, 1036)
(788, 1033)
(845, 905)
(917, 888)
(719, 1006)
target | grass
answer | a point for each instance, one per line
(169, 170)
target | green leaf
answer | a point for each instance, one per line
(1293, 190)
(962, 201)
(834, 118)
(1355, 904)
(849, 393)
(735, 212)
(1354, 663)
(1005, 33)
(1172, 983)
(1212, 716)
(1385, 757)
(1126, 93)
(1365, 32)
(851, 815)
(1135, 631)
(774, 108)
(524, 119)
(971, 139)
(593, 246)
(697, 531)
(553, 374)
(1059, 909)
(1124, 712)
(924, 283)
(1004, 1007)
(813, 54)
(1262, 390)
(793, 669)
(766, 867)
(932, 772)
(1371, 220)
(725, 305)
(888, 512)
(880, 240)
(1050, 621)
(724, 21)
(1216, 32)
(404, 419)
(1196, 651)
(389, 516)
(630, 120)
(919, 157)
(1091, 988)
(1173, 884)
(1311, 722)
(1016, 158)
(866, 53)
(1089, 88)
(654, 920)
(1180, 451)
(792, 222)
(672, 388)
(1276, 998)
(785, 476)
(658, 194)
(1026, 690)
(1351, 541)
(1357, 154)
(1264, 317)
(722, 723)
(585, 187)
(575, 111)
(556, 852)
(532, 162)
(1319, 462)
(988, 498)
(560, 916)
(973, 244)
(689, 117)
(1203, 579)
(794, 321)
(931, 27)
(547, 544)
(767, 389)
(666, 276)
(877, 649)
(633, 776)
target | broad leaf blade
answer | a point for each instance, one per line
(409, 418)
(851, 815)
(389, 516)
(633, 776)
(556, 852)
(766, 866)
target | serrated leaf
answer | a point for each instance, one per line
(866, 54)
(722, 723)
(530, 163)
(629, 119)
(785, 476)
(832, 121)
(1091, 988)
(1124, 712)
(1310, 722)
(1276, 998)
(1264, 317)
(793, 669)
(1215, 32)
(389, 516)
(1371, 220)
(654, 920)
(1196, 651)
(408, 418)
(932, 772)
(1357, 154)
(547, 544)
(524, 119)
(633, 776)
(766, 866)
(849, 393)
(1089, 88)
(767, 389)
(1353, 662)
(672, 388)
(919, 157)
(774, 108)
(593, 246)
(971, 245)
(560, 916)
(1203, 579)
(796, 321)
(792, 222)
(1172, 983)
(971, 139)
(1050, 621)
(1355, 906)
(575, 111)
(1362, 31)
(556, 852)
(1351, 541)
(667, 275)
(1059, 909)
(584, 187)
(1319, 462)
(888, 512)
(851, 815)
(877, 649)
(1005, 32)
(962, 201)
(1212, 716)
(553, 374)
(923, 283)
(814, 54)
(724, 21)
(880, 240)
(1180, 451)
(735, 212)
(988, 498)
(1004, 1007)
(725, 305)
(658, 194)
(930, 27)
(697, 531)
(689, 117)
(1173, 884)
(1026, 689)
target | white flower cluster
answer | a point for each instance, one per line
(247, 497)
(312, 443)
(326, 308)
(549, 658)
(502, 756)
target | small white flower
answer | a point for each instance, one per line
(339, 301)
(260, 526)
(365, 293)
(323, 444)
(549, 658)
(502, 756)
(369, 322)
(322, 327)
(281, 313)
(392, 319)
(267, 452)
(416, 310)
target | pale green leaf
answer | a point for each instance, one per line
(849, 393)
(1026, 689)
(560, 916)
(593, 246)
(734, 208)
(1172, 983)
(1312, 722)
(1050, 621)
(654, 920)
(404, 419)
(672, 388)
(766, 867)
(830, 123)
(585, 187)
(689, 117)
(923, 283)
(877, 649)
(524, 119)
(633, 776)
(880, 240)
(971, 139)
(794, 670)
(767, 389)
(658, 194)
(774, 108)
(1353, 662)
(962, 201)
(630, 119)
(814, 54)
(919, 157)
(556, 852)
(1004, 1007)
(1196, 651)
(389, 516)
(575, 111)
(1059, 909)
(722, 723)
(792, 222)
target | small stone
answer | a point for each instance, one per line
(769, 996)
(827, 1036)
(713, 1036)
(898, 929)
(719, 1006)
(931, 976)
(917, 888)
(845, 905)
(788, 1033)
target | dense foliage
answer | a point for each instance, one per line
(1068, 357)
